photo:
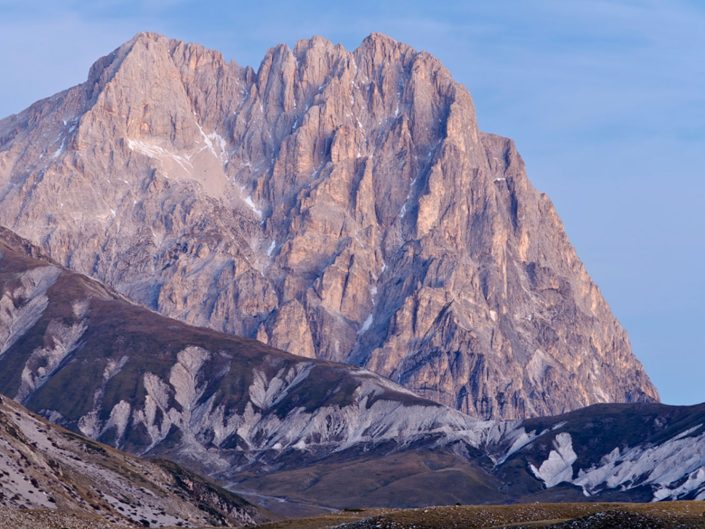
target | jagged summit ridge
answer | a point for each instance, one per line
(339, 205)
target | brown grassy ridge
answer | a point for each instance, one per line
(402, 480)
(665, 515)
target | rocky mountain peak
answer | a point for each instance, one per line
(339, 205)
(382, 50)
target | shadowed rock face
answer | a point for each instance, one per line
(339, 205)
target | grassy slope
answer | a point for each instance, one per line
(400, 479)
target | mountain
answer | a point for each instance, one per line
(87, 358)
(643, 452)
(339, 205)
(292, 432)
(617, 452)
(46, 467)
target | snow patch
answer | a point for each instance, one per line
(661, 466)
(58, 152)
(250, 203)
(366, 325)
(559, 465)
(184, 374)
(44, 361)
(215, 144)
(265, 393)
(152, 150)
(15, 321)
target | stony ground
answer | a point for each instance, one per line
(45, 519)
(674, 515)
(671, 515)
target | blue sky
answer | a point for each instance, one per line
(606, 100)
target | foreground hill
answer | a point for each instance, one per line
(66, 476)
(338, 205)
(291, 431)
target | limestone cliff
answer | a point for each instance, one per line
(339, 205)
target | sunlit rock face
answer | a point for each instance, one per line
(339, 205)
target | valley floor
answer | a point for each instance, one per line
(665, 515)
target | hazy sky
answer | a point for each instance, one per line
(606, 100)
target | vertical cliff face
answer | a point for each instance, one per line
(339, 205)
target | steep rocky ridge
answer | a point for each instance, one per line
(338, 205)
(46, 467)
